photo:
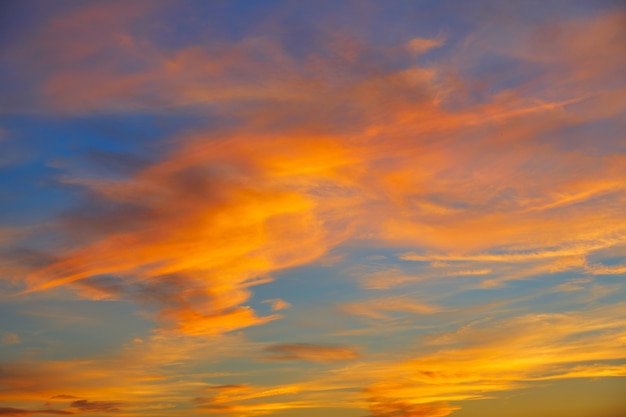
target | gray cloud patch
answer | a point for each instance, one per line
(311, 352)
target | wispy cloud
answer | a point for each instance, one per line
(480, 158)
(278, 304)
(379, 308)
(102, 406)
(381, 407)
(10, 411)
(311, 352)
(7, 338)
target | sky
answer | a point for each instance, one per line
(299, 208)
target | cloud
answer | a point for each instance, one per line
(71, 36)
(382, 279)
(9, 338)
(278, 304)
(16, 412)
(163, 369)
(380, 407)
(260, 228)
(243, 399)
(421, 45)
(606, 270)
(311, 352)
(214, 203)
(105, 406)
(524, 264)
(378, 307)
(446, 163)
(506, 257)
(466, 272)
(491, 355)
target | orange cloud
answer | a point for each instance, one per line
(141, 377)
(16, 412)
(381, 407)
(490, 355)
(328, 150)
(217, 215)
(278, 304)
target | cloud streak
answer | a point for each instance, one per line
(310, 352)
(9, 411)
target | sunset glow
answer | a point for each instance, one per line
(313, 208)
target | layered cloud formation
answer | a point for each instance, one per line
(321, 218)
